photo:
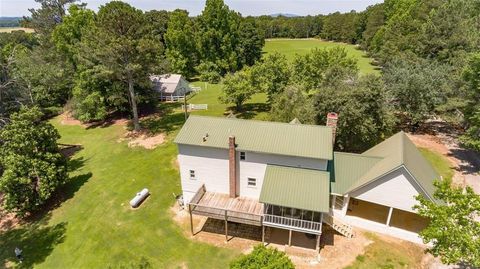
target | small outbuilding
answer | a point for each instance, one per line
(171, 87)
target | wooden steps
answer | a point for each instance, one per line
(339, 226)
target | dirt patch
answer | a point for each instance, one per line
(337, 251)
(466, 163)
(8, 221)
(143, 139)
(67, 118)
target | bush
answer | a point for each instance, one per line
(90, 108)
(263, 257)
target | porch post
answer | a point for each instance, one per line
(346, 201)
(389, 218)
(226, 227)
(289, 238)
(263, 234)
(191, 218)
(317, 247)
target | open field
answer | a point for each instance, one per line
(11, 29)
(255, 108)
(95, 228)
(291, 47)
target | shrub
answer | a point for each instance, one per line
(263, 257)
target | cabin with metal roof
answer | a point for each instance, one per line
(170, 87)
(287, 176)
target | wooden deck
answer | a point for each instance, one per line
(240, 204)
(221, 206)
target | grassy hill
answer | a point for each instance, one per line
(291, 47)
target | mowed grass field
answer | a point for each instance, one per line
(95, 228)
(11, 29)
(255, 108)
(292, 47)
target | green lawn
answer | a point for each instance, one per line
(291, 47)
(439, 163)
(255, 108)
(95, 228)
(388, 255)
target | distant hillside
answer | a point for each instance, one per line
(10, 21)
(288, 15)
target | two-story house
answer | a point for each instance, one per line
(288, 176)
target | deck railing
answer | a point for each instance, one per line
(199, 194)
(226, 214)
(303, 225)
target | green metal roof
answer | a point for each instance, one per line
(296, 188)
(310, 141)
(395, 152)
(347, 169)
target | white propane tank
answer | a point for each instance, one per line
(135, 202)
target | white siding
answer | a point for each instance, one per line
(396, 189)
(211, 168)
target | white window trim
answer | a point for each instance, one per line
(190, 174)
(251, 186)
(244, 156)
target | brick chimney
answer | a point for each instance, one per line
(332, 119)
(232, 164)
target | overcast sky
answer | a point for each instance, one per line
(11, 8)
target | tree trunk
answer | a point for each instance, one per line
(136, 123)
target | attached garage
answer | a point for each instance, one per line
(379, 187)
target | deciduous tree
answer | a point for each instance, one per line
(181, 51)
(453, 230)
(321, 67)
(471, 76)
(365, 116)
(417, 87)
(272, 74)
(292, 103)
(237, 88)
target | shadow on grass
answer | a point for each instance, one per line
(64, 193)
(36, 242)
(143, 263)
(251, 110)
(163, 124)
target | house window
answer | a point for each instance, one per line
(252, 182)
(192, 174)
(242, 156)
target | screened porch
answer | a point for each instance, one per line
(293, 219)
